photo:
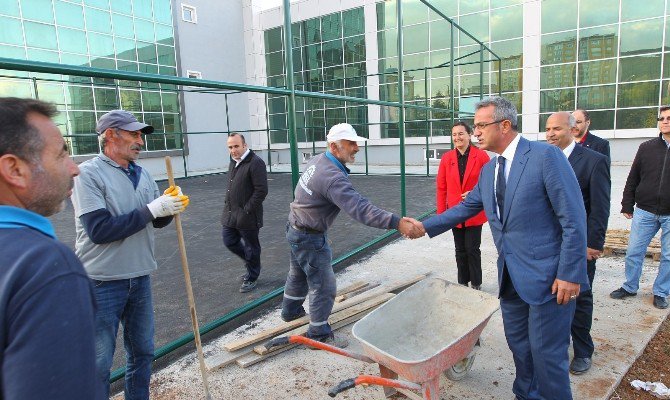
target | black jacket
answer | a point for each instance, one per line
(593, 174)
(247, 188)
(598, 144)
(648, 183)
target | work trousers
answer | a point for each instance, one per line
(310, 272)
(468, 256)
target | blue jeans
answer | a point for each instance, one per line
(645, 225)
(127, 301)
(310, 272)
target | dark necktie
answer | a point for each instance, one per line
(501, 185)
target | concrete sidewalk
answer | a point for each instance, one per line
(621, 330)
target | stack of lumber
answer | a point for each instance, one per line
(351, 304)
(616, 242)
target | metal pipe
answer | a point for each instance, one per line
(401, 110)
(290, 116)
(451, 78)
(425, 90)
(267, 131)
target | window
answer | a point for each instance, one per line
(194, 74)
(189, 14)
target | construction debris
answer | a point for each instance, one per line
(356, 301)
(616, 242)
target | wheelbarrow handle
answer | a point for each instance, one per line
(372, 380)
(296, 339)
(342, 386)
(276, 342)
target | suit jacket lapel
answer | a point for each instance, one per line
(576, 156)
(518, 165)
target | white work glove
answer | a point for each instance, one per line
(167, 205)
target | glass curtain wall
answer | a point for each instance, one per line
(607, 57)
(328, 57)
(129, 35)
(427, 43)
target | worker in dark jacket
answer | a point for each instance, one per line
(243, 210)
(585, 138)
(646, 199)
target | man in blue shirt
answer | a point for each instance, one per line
(117, 206)
(46, 299)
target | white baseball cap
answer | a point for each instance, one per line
(344, 131)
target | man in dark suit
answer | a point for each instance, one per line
(587, 139)
(531, 198)
(242, 216)
(593, 176)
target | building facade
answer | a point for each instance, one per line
(607, 56)
(120, 34)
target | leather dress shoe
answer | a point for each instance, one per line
(660, 302)
(580, 365)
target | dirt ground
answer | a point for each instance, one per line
(653, 366)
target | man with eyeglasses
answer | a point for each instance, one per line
(117, 206)
(534, 206)
(646, 199)
(585, 138)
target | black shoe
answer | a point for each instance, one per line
(580, 365)
(335, 341)
(477, 287)
(621, 293)
(301, 314)
(247, 286)
(660, 302)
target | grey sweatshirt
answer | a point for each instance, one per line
(323, 190)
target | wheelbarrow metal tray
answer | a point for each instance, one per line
(425, 329)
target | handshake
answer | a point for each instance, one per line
(411, 228)
(172, 202)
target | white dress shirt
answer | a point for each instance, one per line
(508, 154)
(568, 150)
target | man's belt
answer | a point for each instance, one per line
(305, 230)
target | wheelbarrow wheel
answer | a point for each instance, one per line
(461, 368)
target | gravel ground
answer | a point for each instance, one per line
(304, 374)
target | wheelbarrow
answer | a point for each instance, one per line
(429, 329)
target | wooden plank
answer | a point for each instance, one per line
(287, 326)
(335, 317)
(253, 358)
(351, 288)
(353, 293)
(225, 358)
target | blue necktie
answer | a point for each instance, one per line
(501, 185)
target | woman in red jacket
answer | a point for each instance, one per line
(457, 175)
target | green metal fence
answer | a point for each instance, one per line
(291, 93)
